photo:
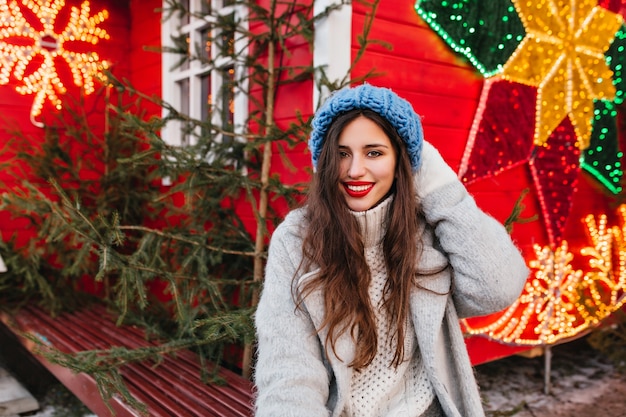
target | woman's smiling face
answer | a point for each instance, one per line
(367, 164)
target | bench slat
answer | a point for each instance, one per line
(173, 387)
(183, 373)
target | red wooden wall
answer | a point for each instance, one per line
(144, 40)
(444, 89)
(15, 108)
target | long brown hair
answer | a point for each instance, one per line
(334, 243)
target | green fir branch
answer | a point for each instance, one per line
(96, 207)
(515, 216)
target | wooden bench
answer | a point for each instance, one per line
(173, 387)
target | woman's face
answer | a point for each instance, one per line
(367, 164)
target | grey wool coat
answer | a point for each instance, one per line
(295, 378)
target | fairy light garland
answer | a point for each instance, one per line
(562, 79)
(602, 158)
(453, 21)
(472, 29)
(616, 59)
(551, 99)
(555, 192)
(559, 301)
(21, 43)
(565, 62)
(499, 141)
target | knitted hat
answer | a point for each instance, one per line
(383, 101)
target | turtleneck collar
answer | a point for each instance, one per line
(373, 222)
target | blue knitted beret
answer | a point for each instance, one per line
(383, 101)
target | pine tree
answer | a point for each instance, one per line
(176, 259)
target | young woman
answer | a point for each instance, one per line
(365, 284)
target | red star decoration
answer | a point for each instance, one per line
(502, 138)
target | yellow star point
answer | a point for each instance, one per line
(562, 55)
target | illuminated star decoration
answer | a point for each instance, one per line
(559, 302)
(31, 51)
(553, 77)
(562, 55)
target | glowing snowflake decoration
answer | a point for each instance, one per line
(560, 302)
(30, 53)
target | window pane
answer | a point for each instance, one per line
(205, 107)
(184, 18)
(183, 86)
(205, 6)
(228, 99)
(205, 35)
(227, 36)
(180, 46)
(185, 63)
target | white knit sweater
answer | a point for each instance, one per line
(297, 375)
(380, 389)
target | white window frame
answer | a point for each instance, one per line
(193, 73)
(332, 44)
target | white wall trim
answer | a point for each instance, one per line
(169, 91)
(332, 44)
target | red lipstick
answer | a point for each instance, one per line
(358, 189)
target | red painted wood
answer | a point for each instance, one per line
(144, 43)
(173, 386)
(15, 108)
(400, 32)
(484, 350)
(442, 87)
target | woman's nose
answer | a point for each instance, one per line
(356, 168)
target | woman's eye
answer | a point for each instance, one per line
(374, 154)
(343, 154)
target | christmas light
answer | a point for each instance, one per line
(602, 158)
(502, 140)
(559, 302)
(616, 58)
(20, 43)
(562, 55)
(556, 75)
(468, 28)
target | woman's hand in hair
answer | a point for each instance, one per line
(433, 173)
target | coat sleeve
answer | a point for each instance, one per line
(489, 271)
(290, 377)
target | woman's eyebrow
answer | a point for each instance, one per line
(369, 145)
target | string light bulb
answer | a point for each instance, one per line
(565, 62)
(544, 80)
(559, 301)
(20, 43)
